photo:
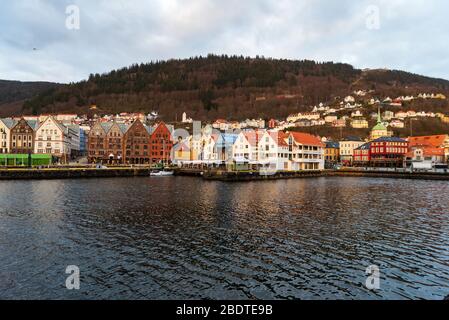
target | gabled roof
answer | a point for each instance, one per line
(253, 137)
(137, 122)
(106, 126)
(8, 122)
(60, 126)
(123, 127)
(306, 139)
(280, 137)
(160, 125)
(97, 124)
(226, 139)
(34, 124)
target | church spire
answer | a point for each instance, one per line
(379, 118)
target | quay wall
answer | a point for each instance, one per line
(219, 175)
(252, 176)
(388, 174)
(72, 173)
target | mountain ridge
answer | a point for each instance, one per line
(222, 86)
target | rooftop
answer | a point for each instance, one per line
(389, 139)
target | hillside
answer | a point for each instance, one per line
(14, 93)
(228, 87)
(420, 127)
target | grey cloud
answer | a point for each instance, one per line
(117, 33)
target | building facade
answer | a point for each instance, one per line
(274, 151)
(161, 144)
(347, 147)
(331, 154)
(246, 146)
(388, 152)
(5, 134)
(114, 143)
(362, 155)
(53, 138)
(136, 144)
(306, 151)
(22, 136)
(359, 123)
(97, 143)
(432, 142)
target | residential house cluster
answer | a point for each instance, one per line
(334, 116)
(255, 149)
(225, 125)
(381, 149)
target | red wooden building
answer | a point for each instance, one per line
(161, 144)
(388, 152)
(136, 144)
(362, 155)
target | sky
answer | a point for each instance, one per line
(66, 40)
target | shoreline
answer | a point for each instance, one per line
(71, 173)
(216, 175)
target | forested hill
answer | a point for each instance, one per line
(14, 93)
(11, 91)
(230, 87)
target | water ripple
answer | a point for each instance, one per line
(184, 238)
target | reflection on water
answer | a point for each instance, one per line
(184, 238)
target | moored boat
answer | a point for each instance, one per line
(161, 173)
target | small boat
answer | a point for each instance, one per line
(162, 173)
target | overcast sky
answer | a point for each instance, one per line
(36, 44)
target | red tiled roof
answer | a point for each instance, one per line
(434, 152)
(307, 139)
(253, 137)
(433, 141)
(280, 137)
